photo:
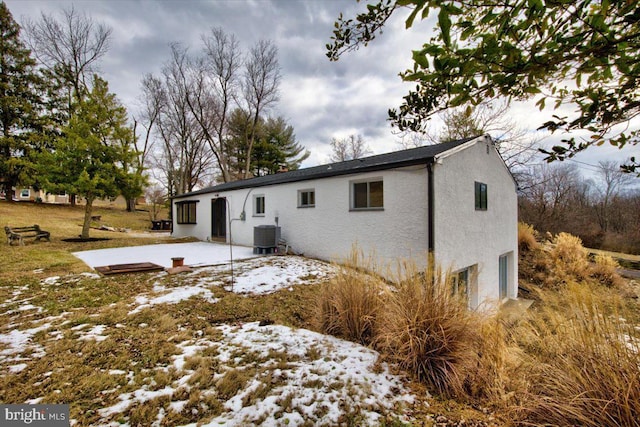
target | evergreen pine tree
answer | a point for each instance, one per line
(21, 119)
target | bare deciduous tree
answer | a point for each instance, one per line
(611, 183)
(260, 87)
(156, 197)
(184, 159)
(69, 47)
(554, 198)
(516, 144)
(215, 84)
(349, 148)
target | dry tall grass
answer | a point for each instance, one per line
(527, 237)
(604, 271)
(350, 303)
(418, 323)
(582, 362)
(428, 330)
(572, 360)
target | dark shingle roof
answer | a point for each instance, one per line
(367, 164)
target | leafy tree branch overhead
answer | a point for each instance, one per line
(584, 54)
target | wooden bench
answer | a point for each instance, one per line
(17, 234)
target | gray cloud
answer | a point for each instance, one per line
(321, 99)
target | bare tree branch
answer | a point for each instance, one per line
(70, 47)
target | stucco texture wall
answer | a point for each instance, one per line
(331, 229)
(467, 237)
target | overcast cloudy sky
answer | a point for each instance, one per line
(321, 99)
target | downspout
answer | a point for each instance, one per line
(430, 212)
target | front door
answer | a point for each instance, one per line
(219, 218)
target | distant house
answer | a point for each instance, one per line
(456, 200)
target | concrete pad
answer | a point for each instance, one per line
(194, 254)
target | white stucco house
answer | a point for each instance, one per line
(456, 200)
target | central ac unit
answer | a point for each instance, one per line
(266, 236)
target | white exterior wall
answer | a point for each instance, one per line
(329, 230)
(464, 237)
(467, 237)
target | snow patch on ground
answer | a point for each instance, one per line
(265, 275)
(93, 334)
(310, 377)
(17, 342)
(329, 377)
(174, 296)
(256, 276)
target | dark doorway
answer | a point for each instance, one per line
(219, 218)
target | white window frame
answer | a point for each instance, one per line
(368, 182)
(470, 292)
(187, 212)
(309, 192)
(22, 196)
(257, 205)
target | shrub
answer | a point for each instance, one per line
(526, 237)
(351, 302)
(604, 270)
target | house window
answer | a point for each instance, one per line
(367, 195)
(258, 205)
(481, 196)
(465, 284)
(306, 198)
(25, 193)
(460, 282)
(186, 212)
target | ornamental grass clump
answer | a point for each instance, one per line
(350, 303)
(427, 330)
(604, 270)
(569, 257)
(527, 237)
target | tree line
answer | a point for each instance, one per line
(601, 209)
(204, 119)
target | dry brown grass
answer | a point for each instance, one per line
(350, 303)
(581, 366)
(573, 360)
(527, 237)
(569, 257)
(604, 271)
(418, 324)
(427, 330)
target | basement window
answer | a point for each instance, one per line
(186, 212)
(481, 196)
(368, 195)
